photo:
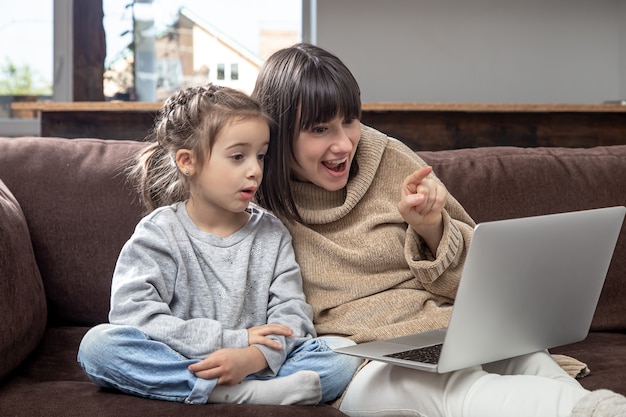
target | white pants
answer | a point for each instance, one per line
(528, 386)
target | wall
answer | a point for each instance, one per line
(484, 51)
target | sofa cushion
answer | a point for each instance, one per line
(507, 182)
(604, 353)
(22, 298)
(51, 383)
(80, 210)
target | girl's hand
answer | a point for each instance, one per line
(230, 365)
(421, 203)
(257, 335)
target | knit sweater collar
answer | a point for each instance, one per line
(319, 206)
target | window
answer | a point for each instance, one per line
(234, 72)
(189, 38)
(193, 42)
(26, 62)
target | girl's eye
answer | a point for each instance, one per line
(349, 121)
(237, 157)
(261, 156)
(318, 129)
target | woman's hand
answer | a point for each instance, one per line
(421, 203)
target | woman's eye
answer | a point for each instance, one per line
(237, 157)
(261, 156)
(349, 121)
(318, 129)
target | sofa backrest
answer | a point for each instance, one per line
(507, 182)
(80, 210)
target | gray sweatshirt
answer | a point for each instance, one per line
(198, 292)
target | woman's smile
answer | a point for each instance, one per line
(337, 166)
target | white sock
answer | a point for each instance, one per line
(600, 403)
(301, 388)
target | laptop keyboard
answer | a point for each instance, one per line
(428, 354)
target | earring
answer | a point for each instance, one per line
(187, 173)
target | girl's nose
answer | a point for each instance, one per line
(256, 169)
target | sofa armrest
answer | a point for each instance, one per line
(22, 299)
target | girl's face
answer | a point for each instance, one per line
(227, 181)
(325, 152)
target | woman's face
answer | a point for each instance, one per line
(325, 152)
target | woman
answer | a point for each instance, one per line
(381, 245)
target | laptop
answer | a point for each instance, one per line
(528, 284)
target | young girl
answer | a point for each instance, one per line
(366, 207)
(206, 299)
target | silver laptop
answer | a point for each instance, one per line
(528, 284)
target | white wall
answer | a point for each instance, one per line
(490, 51)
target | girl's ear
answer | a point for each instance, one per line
(185, 161)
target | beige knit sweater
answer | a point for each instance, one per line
(366, 274)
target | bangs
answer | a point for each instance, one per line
(326, 93)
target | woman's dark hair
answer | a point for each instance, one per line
(299, 87)
(191, 118)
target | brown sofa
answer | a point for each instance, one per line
(66, 210)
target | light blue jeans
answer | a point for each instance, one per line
(124, 358)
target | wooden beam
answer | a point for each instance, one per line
(89, 50)
(422, 126)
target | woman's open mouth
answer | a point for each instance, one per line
(336, 165)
